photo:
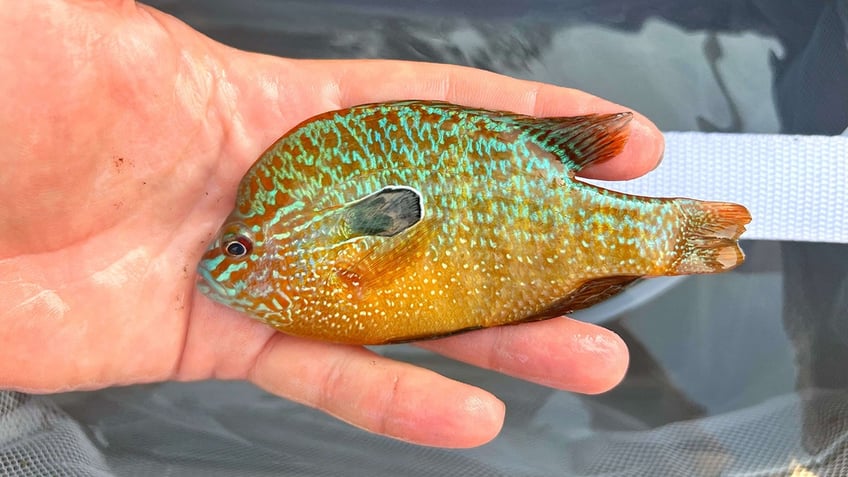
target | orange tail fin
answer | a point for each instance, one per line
(709, 242)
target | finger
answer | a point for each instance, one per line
(561, 353)
(351, 383)
(334, 84)
(362, 388)
(377, 394)
(374, 81)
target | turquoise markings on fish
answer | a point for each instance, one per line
(406, 220)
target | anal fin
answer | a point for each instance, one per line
(589, 293)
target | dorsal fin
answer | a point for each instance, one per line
(579, 141)
(385, 213)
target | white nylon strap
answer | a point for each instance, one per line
(796, 187)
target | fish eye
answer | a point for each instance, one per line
(238, 247)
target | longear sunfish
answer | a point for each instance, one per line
(408, 220)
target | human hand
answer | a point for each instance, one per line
(125, 134)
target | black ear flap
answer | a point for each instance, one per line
(385, 213)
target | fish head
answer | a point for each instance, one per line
(238, 270)
(270, 267)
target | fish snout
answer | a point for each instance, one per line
(209, 286)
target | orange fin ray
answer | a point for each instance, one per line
(388, 259)
(580, 141)
(710, 237)
(587, 294)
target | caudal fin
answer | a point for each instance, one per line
(709, 241)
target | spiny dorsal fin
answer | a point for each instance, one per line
(580, 141)
(385, 213)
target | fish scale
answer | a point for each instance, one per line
(409, 220)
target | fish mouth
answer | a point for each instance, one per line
(210, 287)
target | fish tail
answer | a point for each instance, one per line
(709, 237)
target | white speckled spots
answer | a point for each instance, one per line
(508, 231)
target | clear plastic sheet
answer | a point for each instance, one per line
(737, 374)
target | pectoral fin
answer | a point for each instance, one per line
(387, 260)
(385, 220)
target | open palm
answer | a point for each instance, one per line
(124, 136)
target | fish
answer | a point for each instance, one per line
(409, 220)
